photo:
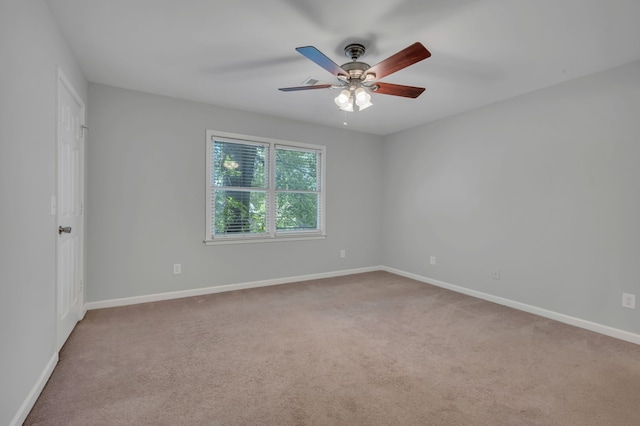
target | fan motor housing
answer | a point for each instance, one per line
(355, 69)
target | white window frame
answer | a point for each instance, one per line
(271, 235)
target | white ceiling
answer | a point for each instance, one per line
(237, 53)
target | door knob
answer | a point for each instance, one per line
(66, 230)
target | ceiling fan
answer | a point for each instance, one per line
(358, 79)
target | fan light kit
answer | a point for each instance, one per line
(356, 80)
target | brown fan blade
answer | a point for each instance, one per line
(295, 89)
(319, 58)
(408, 56)
(399, 90)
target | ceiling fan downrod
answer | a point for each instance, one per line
(354, 51)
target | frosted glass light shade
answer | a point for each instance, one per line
(343, 98)
(363, 99)
(348, 106)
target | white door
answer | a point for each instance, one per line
(70, 189)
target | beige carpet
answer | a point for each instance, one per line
(366, 349)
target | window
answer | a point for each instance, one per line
(261, 189)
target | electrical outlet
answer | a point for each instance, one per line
(343, 253)
(433, 260)
(177, 269)
(495, 274)
(628, 300)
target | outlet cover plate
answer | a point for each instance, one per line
(628, 300)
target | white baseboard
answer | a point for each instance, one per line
(33, 395)
(219, 289)
(577, 322)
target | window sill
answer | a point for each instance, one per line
(252, 240)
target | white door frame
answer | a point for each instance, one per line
(62, 333)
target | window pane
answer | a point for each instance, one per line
(238, 165)
(296, 170)
(296, 211)
(240, 212)
(263, 188)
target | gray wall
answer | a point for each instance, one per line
(31, 48)
(543, 187)
(146, 198)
